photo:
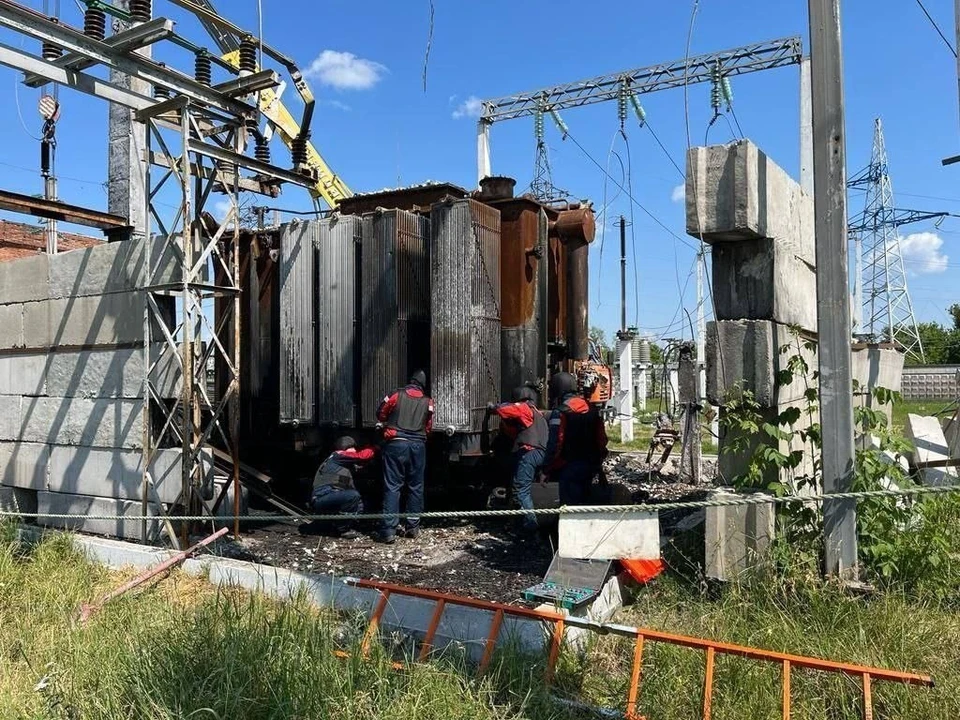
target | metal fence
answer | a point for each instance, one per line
(931, 382)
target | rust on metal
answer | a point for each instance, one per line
(374, 622)
(555, 642)
(427, 644)
(578, 225)
(635, 674)
(56, 210)
(491, 641)
(408, 198)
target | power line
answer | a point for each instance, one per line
(937, 28)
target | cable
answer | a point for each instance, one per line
(633, 237)
(665, 151)
(937, 28)
(734, 113)
(630, 195)
(16, 95)
(686, 71)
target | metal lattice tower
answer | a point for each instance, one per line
(884, 309)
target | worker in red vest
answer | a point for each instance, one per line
(407, 418)
(577, 442)
(333, 489)
(524, 424)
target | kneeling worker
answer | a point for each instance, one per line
(577, 443)
(333, 489)
(523, 422)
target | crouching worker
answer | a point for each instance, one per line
(522, 422)
(333, 489)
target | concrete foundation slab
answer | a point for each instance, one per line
(736, 536)
(84, 505)
(75, 421)
(18, 500)
(930, 445)
(602, 536)
(24, 465)
(115, 319)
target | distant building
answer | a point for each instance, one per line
(19, 240)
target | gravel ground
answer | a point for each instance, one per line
(482, 559)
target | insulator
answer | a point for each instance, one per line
(261, 151)
(50, 52)
(248, 54)
(727, 91)
(203, 69)
(538, 125)
(141, 10)
(298, 151)
(160, 92)
(638, 110)
(560, 123)
(622, 104)
(95, 23)
(715, 97)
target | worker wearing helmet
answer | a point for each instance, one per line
(333, 489)
(407, 418)
(577, 442)
(522, 422)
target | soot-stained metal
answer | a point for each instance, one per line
(297, 339)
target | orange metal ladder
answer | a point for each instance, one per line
(642, 636)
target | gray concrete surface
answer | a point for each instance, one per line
(73, 421)
(876, 366)
(11, 325)
(18, 500)
(24, 465)
(24, 280)
(930, 445)
(85, 321)
(736, 537)
(84, 505)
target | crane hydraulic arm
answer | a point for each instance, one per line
(295, 135)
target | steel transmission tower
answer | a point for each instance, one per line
(883, 307)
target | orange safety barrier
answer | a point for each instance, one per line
(642, 637)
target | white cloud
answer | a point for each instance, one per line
(471, 107)
(337, 105)
(220, 209)
(345, 71)
(921, 253)
(679, 193)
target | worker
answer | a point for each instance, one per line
(577, 441)
(333, 489)
(524, 424)
(406, 415)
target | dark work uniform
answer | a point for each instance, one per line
(407, 415)
(576, 448)
(333, 490)
(526, 426)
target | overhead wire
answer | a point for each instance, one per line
(633, 237)
(937, 28)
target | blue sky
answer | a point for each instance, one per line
(377, 127)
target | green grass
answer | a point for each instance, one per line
(643, 431)
(916, 407)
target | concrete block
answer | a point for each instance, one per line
(876, 366)
(747, 354)
(18, 500)
(736, 536)
(85, 505)
(24, 465)
(24, 280)
(930, 445)
(22, 374)
(951, 432)
(108, 374)
(96, 320)
(10, 417)
(608, 536)
(109, 268)
(115, 473)
(764, 279)
(11, 326)
(735, 192)
(76, 421)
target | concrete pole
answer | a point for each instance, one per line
(806, 129)
(50, 193)
(127, 167)
(625, 408)
(623, 274)
(833, 303)
(689, 392)
(483, 150)
(641, 382)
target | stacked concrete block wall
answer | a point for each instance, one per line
(759, 224)
(72, 385)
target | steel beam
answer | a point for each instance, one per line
(263, 80)
(226, 177)
(249, 163)
(737, 61)
(28, 22)
(81, 82)
(133, 39)
(55, 210)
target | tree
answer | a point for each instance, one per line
(598, 337)
(954, 311)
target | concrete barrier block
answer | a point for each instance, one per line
(76, 421)
(10, 417)
(84, 506)
(746, 354)
(24, 465)
(930, 445)
(736, 537)
(23, 374)
(108, 374)
(114, 473)
(18, 500)
(735, 192)
(876, 366)
(24, 280)
(96, 320)
(11, 326)
(606, 536)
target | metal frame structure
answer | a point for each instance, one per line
(196, 142)
(689, 71)
(883, 305)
